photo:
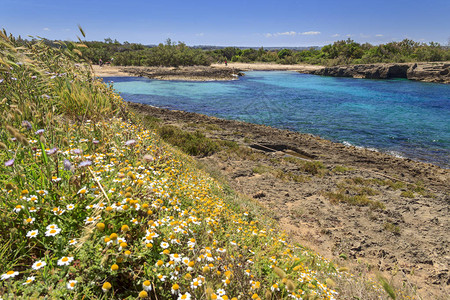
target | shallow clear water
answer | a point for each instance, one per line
(402, 117)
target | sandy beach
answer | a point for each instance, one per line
(197, 73)
(270, 67)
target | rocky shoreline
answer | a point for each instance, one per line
(215, 72)
(190, 73)
(438, 72)
(408, 232)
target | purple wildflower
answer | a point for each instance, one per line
(33, 77)
(46, 96)
(77, 151)
(130, 142)
(27, 124)
(67, 165)
(40, 131)
(95, 141)
(85, 163)
(9, 163)
(1, 80)
(51, 151)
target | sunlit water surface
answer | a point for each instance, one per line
(405, 118)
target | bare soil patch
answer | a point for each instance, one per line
(348, 204)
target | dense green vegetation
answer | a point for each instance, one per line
(126, 54)
(340, 52)
(179, 54)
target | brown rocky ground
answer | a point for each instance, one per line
(348, 204)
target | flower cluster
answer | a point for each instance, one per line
(94, 206)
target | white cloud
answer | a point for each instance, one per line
(200, 34)
(310, 33)
(291, 33)
(336, 35)
(287, 33)
(379, 35)
(46, 29)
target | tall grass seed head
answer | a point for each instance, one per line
(279, 272)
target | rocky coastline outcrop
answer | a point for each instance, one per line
(189, 73)
(422, 71)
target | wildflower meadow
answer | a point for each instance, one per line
(95, 206)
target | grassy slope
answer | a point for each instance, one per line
(93, 204)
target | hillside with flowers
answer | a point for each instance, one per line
(94, 205)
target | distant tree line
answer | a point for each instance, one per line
(342, 52)
(131, 54)
(338, 53)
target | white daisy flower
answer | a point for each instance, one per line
(32, 233)
(33, 198)
(29, 280)
(42, 192)
(185, 296)
(29, 220)
(18, 208)
(82, 191)
(52, 232)
(89, 220)
(39, 264)
(71, 284)
(9, 274)
(147, 286)
(51, 226)
(65, 260)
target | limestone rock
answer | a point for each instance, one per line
(422, 71)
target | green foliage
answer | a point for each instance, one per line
(387, 287)
(341, 169)
(310, 167)
(283, 53)
(407, 194)
(179, 54)
(395, 229)
(191, 143)
(348, 52)
(168, 54)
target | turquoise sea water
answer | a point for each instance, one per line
(406, 118)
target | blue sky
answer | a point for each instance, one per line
(238, 23)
